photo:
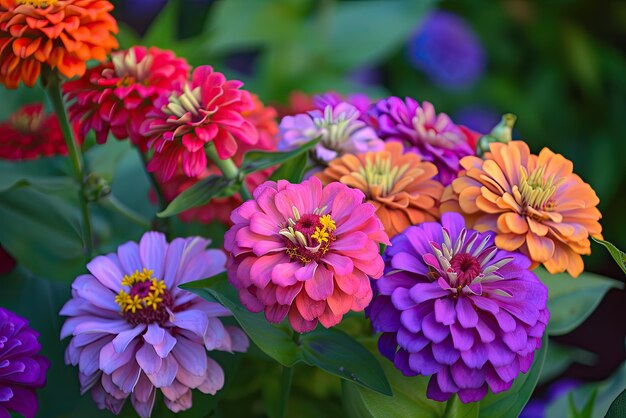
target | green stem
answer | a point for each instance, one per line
(52, 86)
(115, 204)
(451, 408)
(162, 224)
(285, 385)
(228, 169)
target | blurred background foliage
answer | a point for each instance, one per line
(559, 65)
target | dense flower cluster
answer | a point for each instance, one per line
(535, 204)
(30, 133)
(117, 96)
(452, 305)
(60, 34)
(22, 369)
(304, 251)
(135, 331)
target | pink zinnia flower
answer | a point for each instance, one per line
(134, 331)
(305, 251)
(209, 109)
(117, 96)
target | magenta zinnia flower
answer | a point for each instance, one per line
(420, 129)
(117, 96)
(22, 369)
(305, 251)
(339, 127)
(454, 306)
(134, 331)
(209, 109)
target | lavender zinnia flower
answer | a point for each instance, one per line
(359, 100)
(452, 305)
(433, 136)
(338, 125)
(134, 331)
(446, 48)
(22, 369)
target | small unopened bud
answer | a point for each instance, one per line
(502, 132)
(96, 188)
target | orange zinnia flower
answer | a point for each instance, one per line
(535, 204)
(62, 34)
(399, 185)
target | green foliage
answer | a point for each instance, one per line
(329, 349)
(291, 170)
(616, 253)
(560, 357)
(571, 301)
(200, 193)
(260, 160)
(618, 407)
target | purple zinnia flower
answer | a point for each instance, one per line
(452, 305)
(339, 126)
(433, 136)
(446, 48)
(22, 370)
(134, 331)
(361, 101)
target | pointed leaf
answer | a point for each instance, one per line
(259, 160)
(618, 255)
(200, 193)
(291, 170)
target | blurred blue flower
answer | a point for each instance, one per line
(536, 408)
(446, 48)
(479, 118)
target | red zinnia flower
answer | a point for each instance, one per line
(209, 109)
(30, 133)
(117, 96)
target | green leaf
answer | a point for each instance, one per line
(200, 193)
(274, 341)
(587, 410)
(337, 353)
(560, 357)
(42, 175)
(570, 300)
(618, 407)
(511, 402)
(259, 160)
(329, 349)
(361, 33)
(291, 170)
(618, 255)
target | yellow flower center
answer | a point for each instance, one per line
(535, 190)
(308, 237)
(145, 292)
(378, 173)
(41, 4)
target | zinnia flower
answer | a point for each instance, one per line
(453, 306)
(304, 251)
(22, 369)
(535, 204)
(134, 331)
(339, 127)
(264, 120)
(30, 133)
(446, 48)
(117, 96)
(209, 109)
(359, 100)
(400, 186)
(62, 34)
(433, 136)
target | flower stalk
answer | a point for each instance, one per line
(285, 390)
(52, 86)
(228, 169)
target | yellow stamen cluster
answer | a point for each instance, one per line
(133, 303)
(42, 4)
(322, 234)
(534, 190)
(378, 172)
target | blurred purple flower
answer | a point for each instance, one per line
(536, 408)
(479, 118)
(454, 306)
(446, 48)
(134, 331)
(22, 369)
(338, 125)
(359, 100)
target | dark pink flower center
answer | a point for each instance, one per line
(309, 237)
(466, 268)
(148, 300)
